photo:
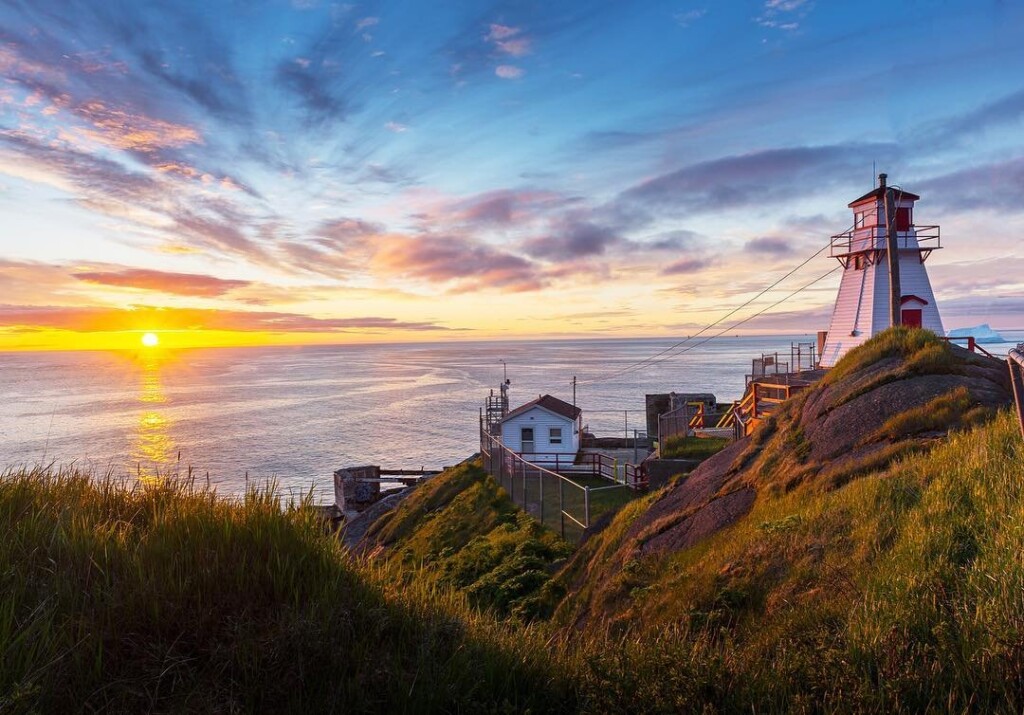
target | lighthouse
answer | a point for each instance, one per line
(884, 278)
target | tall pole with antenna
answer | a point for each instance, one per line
(893, 251)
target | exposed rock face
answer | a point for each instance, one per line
(849, 423)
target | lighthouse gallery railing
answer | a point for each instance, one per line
(873, 238)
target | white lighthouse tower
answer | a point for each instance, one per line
(866, 302)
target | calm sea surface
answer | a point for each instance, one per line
(298, 414)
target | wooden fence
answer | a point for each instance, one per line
(1015, 361)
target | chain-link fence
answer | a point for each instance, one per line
(566, 505)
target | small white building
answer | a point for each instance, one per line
(862, 307)
(543, 428)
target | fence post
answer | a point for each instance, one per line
(501, 465)
(586, 506)
(561, 504)
(524, 488)
(541, 487)
(1017, 381)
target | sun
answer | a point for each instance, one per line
(150, 340)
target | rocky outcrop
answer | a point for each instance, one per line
(877, 406)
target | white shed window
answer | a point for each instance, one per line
(555, 435)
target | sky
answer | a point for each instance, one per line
(307, 171)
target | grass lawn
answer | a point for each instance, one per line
(692, 447)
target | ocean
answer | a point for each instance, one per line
(299, 413)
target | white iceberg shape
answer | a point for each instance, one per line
(981, 333)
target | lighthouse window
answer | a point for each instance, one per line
(859, 262)
(859, 218)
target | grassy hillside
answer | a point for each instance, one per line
(892, 581)
(461, 529)
(889, 580)
(123, 599)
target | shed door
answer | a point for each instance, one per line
(526, 441)
(911, 317)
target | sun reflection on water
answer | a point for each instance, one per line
(154, 451)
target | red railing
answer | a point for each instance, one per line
(587, 464)
(972, 345)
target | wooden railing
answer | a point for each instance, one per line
(728, 419)
(761, 399)
(697, 421)
(1015, 361)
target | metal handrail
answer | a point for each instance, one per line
(873, 238)
(513, 465)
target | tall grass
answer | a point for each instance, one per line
(115, 597)
(682, 447)
(902, 590)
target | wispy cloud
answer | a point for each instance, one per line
(572, 240)
(123, 129)
(783, 14)
(143, 317)
(460, 263)
(769, 245)
(688, 17)
(187, 284)
(755, 178)
(998, 186)
(313, 87)
(686, 266)
(509, 71)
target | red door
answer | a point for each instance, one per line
(911, 317)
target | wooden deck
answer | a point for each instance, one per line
(766, 392)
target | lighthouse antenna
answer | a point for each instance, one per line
(893, 251)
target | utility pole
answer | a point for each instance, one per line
(573, 390)
(893, 250)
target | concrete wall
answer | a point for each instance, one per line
(660, 471)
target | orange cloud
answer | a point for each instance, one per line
(136, 318)
(133, 132)
(191, 284)
(451, 259)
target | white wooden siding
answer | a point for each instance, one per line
(541, 421)
(863, 304)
